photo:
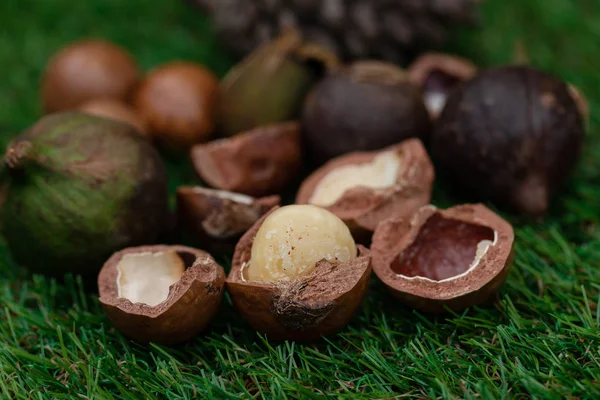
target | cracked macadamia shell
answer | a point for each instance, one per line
(437, 74)
(258, 162)
(399, 181)
(183, 284)
(216, 219)
(454, 258)
(306, 308)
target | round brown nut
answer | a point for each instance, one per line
(296, 297)
(178, 101)
(437, 74)
(217, 218)
(85, 70)
(115, 110)
(511, 135)
(438, 259)
(365, 188)
(161, 294)
(258, 162)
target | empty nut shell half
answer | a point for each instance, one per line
(437, 74)
(257, 162)
(161, 294)
(453, 258)
(304, 309)
(217, 218)
(364, 188)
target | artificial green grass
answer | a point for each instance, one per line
(540, 340)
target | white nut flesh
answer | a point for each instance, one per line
(380, 173)
(435, 102)
(293, 239)
(225, 195)
(146, 277)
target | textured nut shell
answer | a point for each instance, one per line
(178, 101)
(394, 235)
(457, 67)
(115, 110)
(363, 208)
(217, 222)
(305, 309)
(257, 162)
(192, 302)
(85, 70)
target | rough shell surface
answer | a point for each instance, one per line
(363, 208)
(304, 309)
(475, 287)
(192, 302)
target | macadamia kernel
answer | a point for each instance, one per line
(380, 173)
(293, 239)
(146, 277)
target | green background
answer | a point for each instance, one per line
(540, 340)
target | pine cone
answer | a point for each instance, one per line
(395, 30)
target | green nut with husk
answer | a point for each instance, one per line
(270, 85)
(78, 188)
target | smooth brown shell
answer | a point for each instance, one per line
(258, 162)
(215, 221)
(305, 309)
(115, 110)
(192, 301)
(85, 70)
(472, 288)
(178, 100)
(363, 208)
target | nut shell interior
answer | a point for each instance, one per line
(258, 162)
(218, 218)
(362, 207)
(306, 308)
(453, 258)
(191, 303)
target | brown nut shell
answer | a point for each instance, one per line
(191, 303)
(362, 208)
(437, 74)
(85, 70)
(304, 309)
(437, 243)
(178, 100)
(258, 162)
(218, 218)
(115, 110)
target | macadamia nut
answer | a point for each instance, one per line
(377, 174)
(293, 239)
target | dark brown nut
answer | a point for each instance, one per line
(270, 85)
(86, 70)
(511, 135)
(178, 100)
(298, 298)
(454, 258)
(365, 188)
(216, 218)
(437, 74)
(365, 106)
(258, 162)
(115, 110)
(161, 294)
